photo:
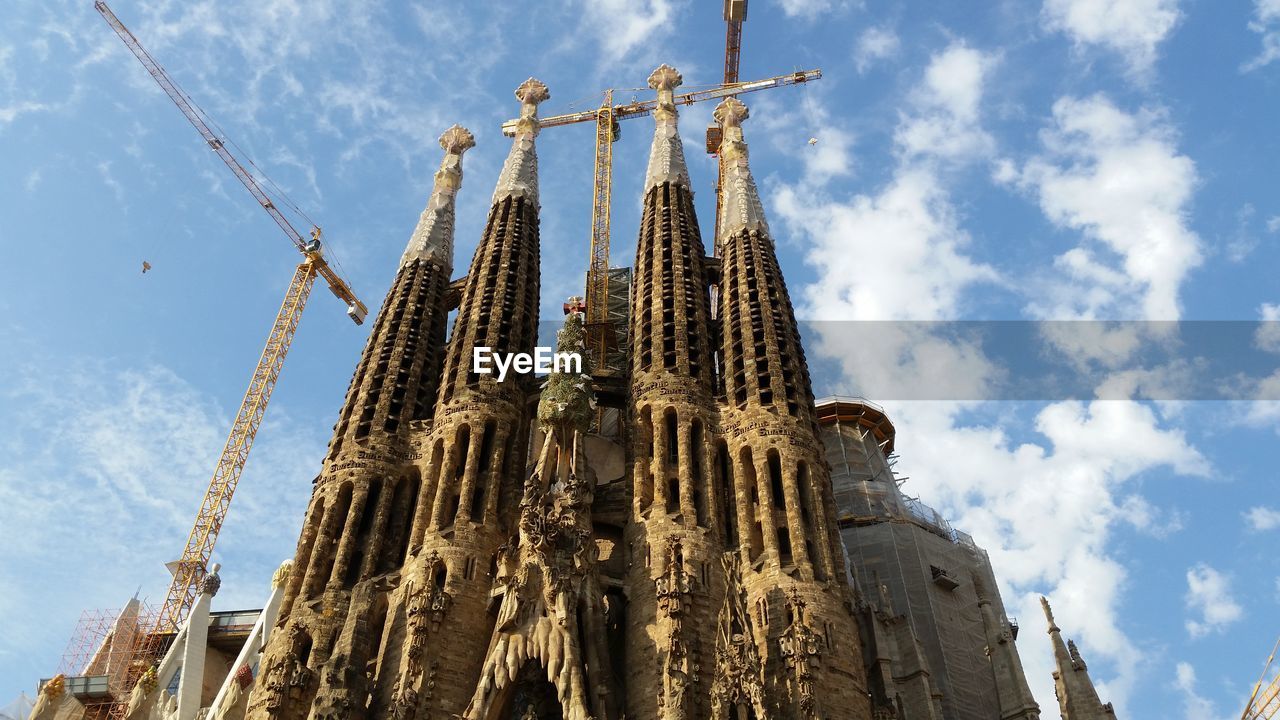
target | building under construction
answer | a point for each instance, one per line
(677, 530)
(480, 549)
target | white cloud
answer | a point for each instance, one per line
(1266, 22)
(1149, 519)
(104, 171)
(919, 274)
(1209, 595)
(1261, 518)
(1265, 408)
(625, 25)
(33, 180)
(1118, 179)
(1131, 28)
(900, 253)
(12, 112)
(874, 44)
(1243, 243)
(1267, 336)
(807, 8)
(122, 457)
(1047, 511)
(945, 121)
(1194, 705)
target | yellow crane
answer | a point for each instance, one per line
(1264, 703)
(601, 335)
(189, 570)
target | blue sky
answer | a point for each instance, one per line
(996, 160)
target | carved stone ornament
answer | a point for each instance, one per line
(737, 680)
(211, 583)
(742, 208)
(432, 240)
(801, 648)
(519, 176)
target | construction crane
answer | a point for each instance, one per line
(189, 570)
(1264, 704)
(600, 332)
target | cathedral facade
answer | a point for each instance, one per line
(479, 549)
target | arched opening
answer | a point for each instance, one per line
(367, 515)
(673, 440)
(302, 558)
(485, 461)
(395, 546)
(756, 541)
(302, 647)
(328, 548)
(673, 494)
(724, 481)
(531, 691)
(645, 467)
(699, 482)
(784, 545)
(462, 444)
(441, 577)
(775, 479)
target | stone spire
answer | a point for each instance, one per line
(1077, 697)
(519, 177)
(1013, 693)
(433, 238)
(741, 200)
(677, 517)
(666, 157)
(785, 516)
(472, 460)
(357, 526)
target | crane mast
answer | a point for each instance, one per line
(600, 335)
(1264, 703)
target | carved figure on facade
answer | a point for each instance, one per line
(801, 649)
(551, 616)
(737, 681)
(427, 605)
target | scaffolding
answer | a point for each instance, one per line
(100, 652)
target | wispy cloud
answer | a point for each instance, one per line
(108, 179)
(122, 456)
(1265, 22)
(1262, 518)
(1210, 600)
(1133, 29)
(813, 9)
(875, 44)
(1141, 220)
(1194, 705)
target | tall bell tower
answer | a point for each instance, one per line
(357, 527)
(793, 568)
